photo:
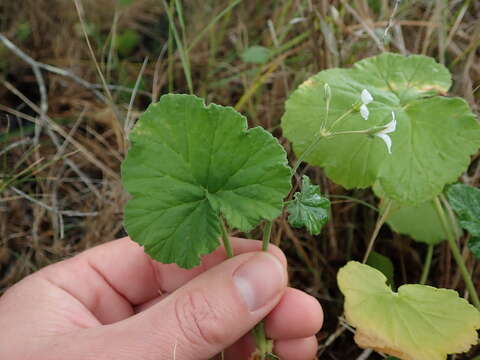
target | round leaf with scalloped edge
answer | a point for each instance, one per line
(432, 143)
(190, 164)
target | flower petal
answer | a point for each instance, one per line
(391, 126)
(364, 111)
(387, 141)
(366, 97)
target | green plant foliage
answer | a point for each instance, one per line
(426, 151)
(127, 41)
(474, 246)
(465, 201)
(256, 54)
(420, 222)
(23, 31)
(418, 322)
(309, 208)
(382, 264)
(191, 164)
(125, 3)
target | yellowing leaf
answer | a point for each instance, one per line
(418, 322)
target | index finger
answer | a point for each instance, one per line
(133, 275)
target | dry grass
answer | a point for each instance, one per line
(60, 153)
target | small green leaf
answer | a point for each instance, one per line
(23, 31)
(382, 264)
(426, 150)
(256, 54)
(125, 3)
(474, 246)
(188, 165)
(309, 208)
(127, 41)
(465, 201)
(418, 322)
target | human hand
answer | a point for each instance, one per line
(114, 302)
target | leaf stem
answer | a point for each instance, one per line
(264, 346)
(307, 152)
(340, 118)
(456, 253)
(366, 131)
(267, 230)
(427, 264)
(378, 225)
(226, 240)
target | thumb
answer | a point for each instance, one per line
(205, 316)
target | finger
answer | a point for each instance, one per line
(203, 317)
(298, 315)
(171, 277)
(110, 278)
(296, 349)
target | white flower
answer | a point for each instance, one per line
(364, 111)
(389, 128)
(366, 99)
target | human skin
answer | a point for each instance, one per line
(113, 302)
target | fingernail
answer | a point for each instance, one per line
(259, 280)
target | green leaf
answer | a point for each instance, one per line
(465, 201)
(432, 144)
(23, 31)
(420, 222)
(256, 54)
(309, 208)
(188, 165)
(125, 3)
(382, 264)
(474, 246)
(418, 322)
(127, 41)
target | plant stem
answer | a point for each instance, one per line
(378, 225)
(307, 152)
(340, 118)
(226, 240)
(264, 346)
(350, 132)
(451, 216)
(427, 264)
(456, 254)
(267, 230)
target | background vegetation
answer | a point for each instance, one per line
(62, 125)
